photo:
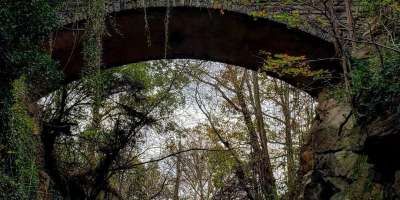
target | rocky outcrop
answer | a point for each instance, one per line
(349, 160)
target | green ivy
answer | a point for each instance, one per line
(25, 26)
(23, 145)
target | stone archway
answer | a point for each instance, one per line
(206, 34)
(235, 38)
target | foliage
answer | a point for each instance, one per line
(372, 6)
(221, 163)
(376, 78)
(292, 19)
(377, 86)
(162, 83)
(285, 65)
(130, 98)
(26, 21)
(24, 26)
(23, 175)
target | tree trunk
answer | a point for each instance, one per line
(268, 180)
(261, 166)
(291, 168)
(350, 21)
(178, 171)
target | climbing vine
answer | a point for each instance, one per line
(23, 144)
(92, 52)
(24, 27)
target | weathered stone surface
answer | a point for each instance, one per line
(339, 183)
(384, 126)
(358, 162)
(332, 131)
(315, 187)
(72, 11)
(333, 161)
(345, 163)
(382, 148)
(339, 164)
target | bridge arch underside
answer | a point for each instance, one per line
(194, 33)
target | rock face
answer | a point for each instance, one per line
(350, 161)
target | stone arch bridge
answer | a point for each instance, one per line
(228, 32)
(235, 32)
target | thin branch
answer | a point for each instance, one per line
(165, 157)
(374, 43)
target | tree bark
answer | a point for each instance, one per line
(350, 20)
(178, 170)
(291, 168)
(268, 180)
(239, 169)
(262, 167)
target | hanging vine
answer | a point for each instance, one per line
(166, 22)
(146, 24)
(93, 51)
(95, 28)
